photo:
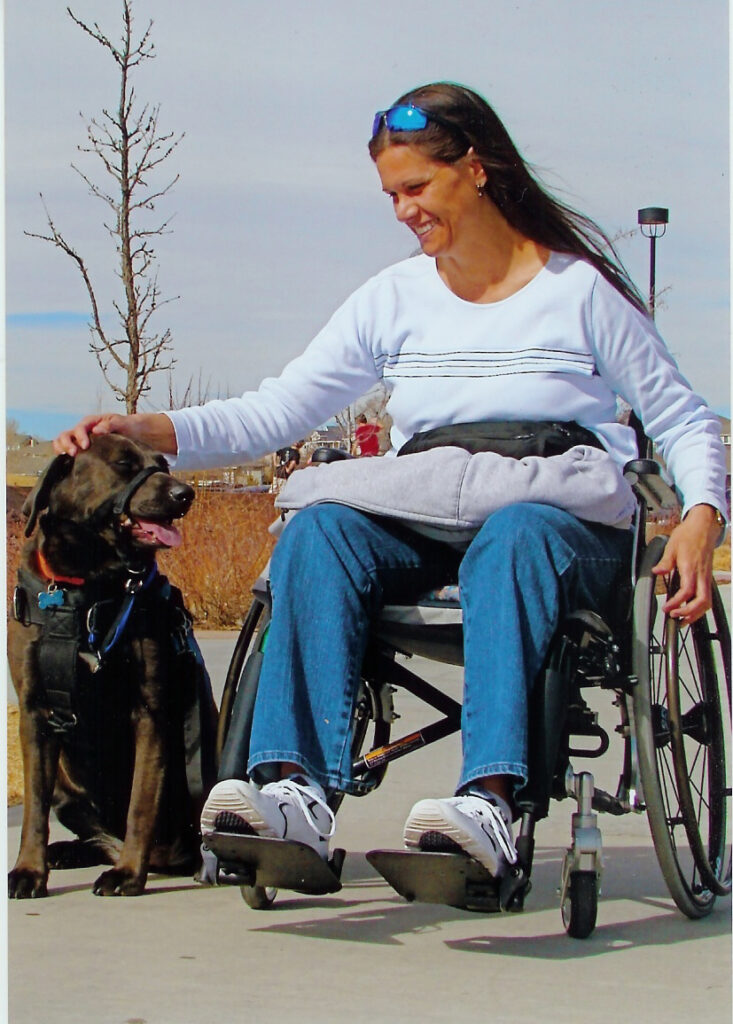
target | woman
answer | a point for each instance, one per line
(512, 311)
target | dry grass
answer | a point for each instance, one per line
(721, 558)
(225, 547)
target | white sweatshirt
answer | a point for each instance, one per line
(562, 347)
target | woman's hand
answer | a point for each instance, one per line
(689, 551)
(153, 428)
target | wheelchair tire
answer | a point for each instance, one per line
(580, 907)
(258, 897)
(699, 729)
(680, 732)
(234, 672)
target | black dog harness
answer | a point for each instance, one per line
(82, 621)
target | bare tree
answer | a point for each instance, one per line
(346, 421)
(130, 146)
(196, 392)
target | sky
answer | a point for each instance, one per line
(278, 214)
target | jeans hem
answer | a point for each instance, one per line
(258, 765)
(519, 771)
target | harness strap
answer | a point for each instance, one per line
(123, 498)
(58, 655)
(134, 587)
(117, 504)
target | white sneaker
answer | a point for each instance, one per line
(476, 825)
(288, 809)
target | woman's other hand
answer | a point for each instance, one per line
(689, 552)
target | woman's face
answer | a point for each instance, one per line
(438, 202)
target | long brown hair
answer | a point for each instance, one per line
(467, 120)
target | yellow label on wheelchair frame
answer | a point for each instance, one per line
(402, 746)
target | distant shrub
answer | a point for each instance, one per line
(225, 547)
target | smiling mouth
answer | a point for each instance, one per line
(424, 229)
(159, 533)
(424, 232)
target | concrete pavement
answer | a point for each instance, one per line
(182, 954)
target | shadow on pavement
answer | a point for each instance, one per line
(631, 876)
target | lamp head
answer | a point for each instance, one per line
(653, 221)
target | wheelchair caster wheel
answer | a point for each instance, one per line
(580, 906)
(258, 897)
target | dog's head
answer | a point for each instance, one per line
(118, 490)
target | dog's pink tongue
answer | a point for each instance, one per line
(168, 536)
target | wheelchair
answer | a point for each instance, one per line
(669, 680)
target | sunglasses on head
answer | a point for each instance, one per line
(407, 118)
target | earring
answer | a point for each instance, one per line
(481, 190)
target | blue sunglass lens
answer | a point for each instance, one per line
(400, 119)
(406, 119)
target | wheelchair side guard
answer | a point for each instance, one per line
(276, 863)
(451, 879)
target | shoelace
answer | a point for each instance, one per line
(303, 795)
(500, 828)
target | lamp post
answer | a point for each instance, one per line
(653, 221)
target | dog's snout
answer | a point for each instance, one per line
(182, 494)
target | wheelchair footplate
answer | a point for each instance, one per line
(276, 863)
(453, 879)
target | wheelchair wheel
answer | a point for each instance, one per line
(258, 897)
(700, 721)
(240, 655)
(681, 731)
(580, 907)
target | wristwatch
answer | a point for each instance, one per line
(720, 518)
(717, 515)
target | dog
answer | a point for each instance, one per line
(114, 702)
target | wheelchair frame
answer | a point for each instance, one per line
(674, 723)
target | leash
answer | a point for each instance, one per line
(134, 587)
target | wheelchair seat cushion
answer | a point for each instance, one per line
(439, 607)
(449, 493)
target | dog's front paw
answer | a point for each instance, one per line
(119, 882)
(25, 884)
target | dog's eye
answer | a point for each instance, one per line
(125, 465)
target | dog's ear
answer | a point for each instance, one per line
(38, 499)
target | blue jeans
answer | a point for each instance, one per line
(334, 568)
